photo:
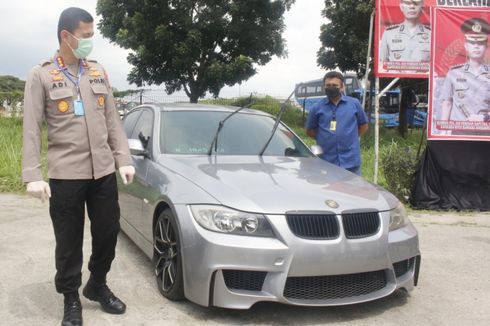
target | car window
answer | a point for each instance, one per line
(129, 122)
(143, 128)
(191, 132)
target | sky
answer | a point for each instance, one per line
(29, 35)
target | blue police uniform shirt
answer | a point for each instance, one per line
(340, 146)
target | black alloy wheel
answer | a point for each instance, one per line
(167, 257)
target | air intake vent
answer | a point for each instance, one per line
(244, 280)
(402, 267)
(335, 286)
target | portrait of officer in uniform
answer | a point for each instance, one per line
(465, 93)
(86, 145)
(408, 41)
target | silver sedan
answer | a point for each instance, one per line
(234, 209)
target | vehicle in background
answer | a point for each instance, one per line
(308, 94)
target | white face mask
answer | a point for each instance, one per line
(85, 46)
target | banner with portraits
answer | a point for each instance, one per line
(459, 99)
(403, 35)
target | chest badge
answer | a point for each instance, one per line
(63, 106)
(57, 78)
(331, 203)
(101, 100)
(397, 55)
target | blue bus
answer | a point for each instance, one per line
(308, 94)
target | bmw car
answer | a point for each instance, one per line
(233, 209)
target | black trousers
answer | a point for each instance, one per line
(67, 210)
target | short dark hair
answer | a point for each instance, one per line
(70, 19)
(333, 74)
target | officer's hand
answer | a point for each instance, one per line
(127, 174)
(39, 189)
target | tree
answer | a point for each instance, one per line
(345, 38)
(11, 91)
(11, 83)
(195, 45)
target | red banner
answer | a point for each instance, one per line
(459, 100)
(403, 35)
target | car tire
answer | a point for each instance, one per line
(167, 259)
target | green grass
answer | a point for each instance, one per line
(11, 155)
(11, 142)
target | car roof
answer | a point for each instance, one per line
(198, 107)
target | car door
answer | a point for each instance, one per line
(127, 202)
(136, 191)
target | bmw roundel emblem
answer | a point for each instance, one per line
(331, 203)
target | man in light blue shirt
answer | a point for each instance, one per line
(336, 123)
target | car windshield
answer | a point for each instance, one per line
(191, 132)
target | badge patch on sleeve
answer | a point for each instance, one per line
(63, 106)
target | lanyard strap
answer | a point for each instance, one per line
(62, 67)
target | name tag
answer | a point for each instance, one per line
(78, 106)
(333, 125)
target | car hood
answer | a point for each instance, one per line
(275, 185)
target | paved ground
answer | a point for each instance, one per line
(454, 286)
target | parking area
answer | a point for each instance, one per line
(454, 283)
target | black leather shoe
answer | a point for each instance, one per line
(73, 310)
(101, 293)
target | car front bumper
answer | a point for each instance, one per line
(236, 272)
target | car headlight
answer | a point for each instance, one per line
(226, 220)
(398, 217)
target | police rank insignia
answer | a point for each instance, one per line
(63, 106)
(94, 73)
(101, 101)
(54, 72)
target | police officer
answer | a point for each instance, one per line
(86, 144)
(408, 41)
(465, 94)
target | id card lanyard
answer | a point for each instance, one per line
(78, 104)
(333, 123)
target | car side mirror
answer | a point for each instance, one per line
(316, 150)
(136, 147)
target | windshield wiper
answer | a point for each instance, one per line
(222, 122)
(276, 124)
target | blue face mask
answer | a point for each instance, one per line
(85, 46)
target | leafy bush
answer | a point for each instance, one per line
(399, 164)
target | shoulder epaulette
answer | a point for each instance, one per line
(45, 62)
(392, 26)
